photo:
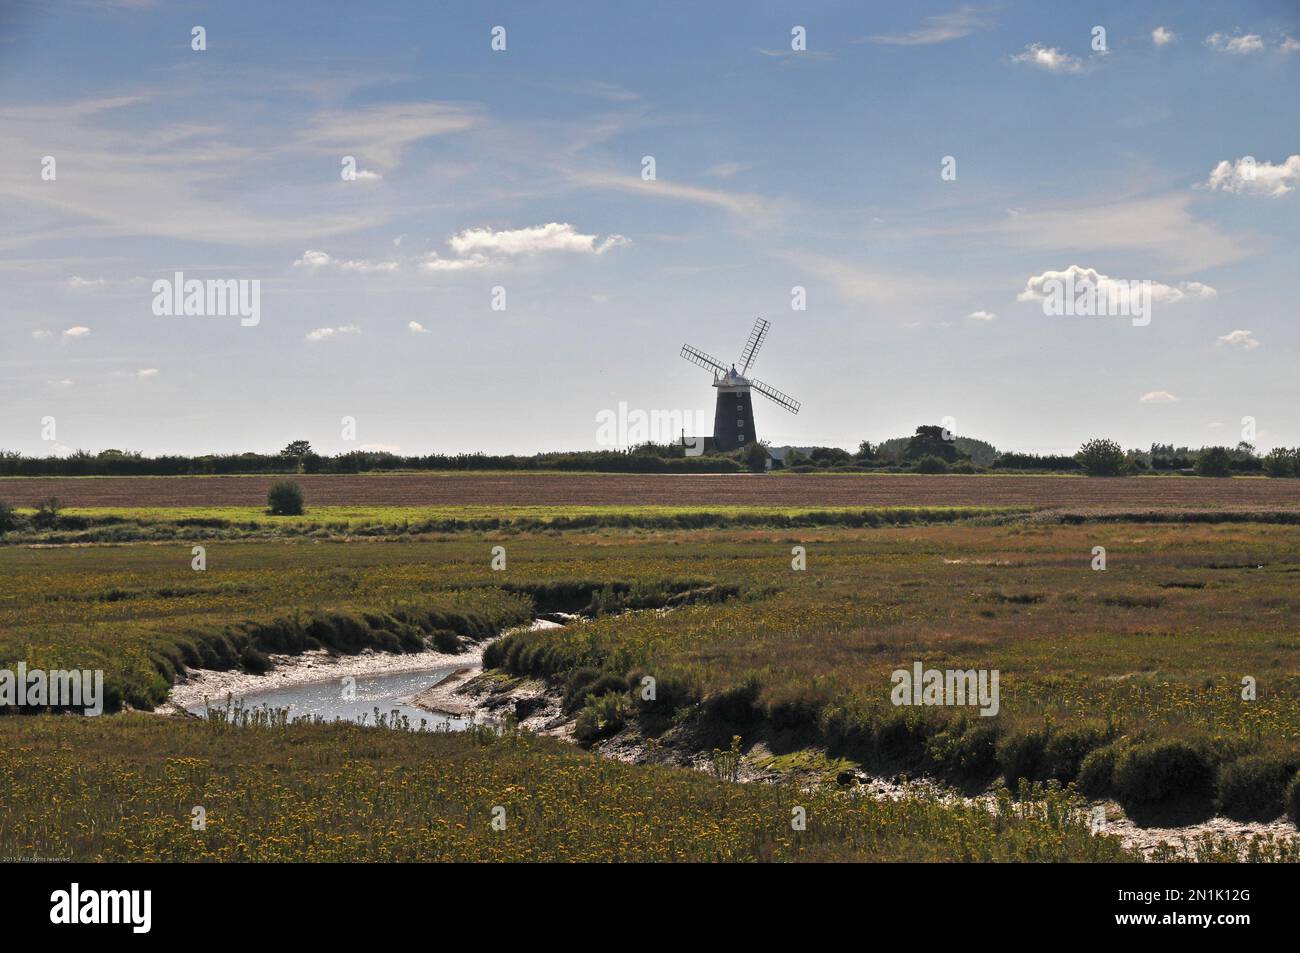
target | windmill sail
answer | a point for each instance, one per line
(772, 394)
(755, 341)
(696, 356)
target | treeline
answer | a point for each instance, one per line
(119, 463)
(930, 449)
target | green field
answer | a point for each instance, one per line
(1127, 682)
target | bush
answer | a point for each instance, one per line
(672, 695)
(8, 518)
(735, 706)
(586, 682)
(47, 513)
(1214, 462)
(967, 748)
(602, 717)
(1254, 787)
(285, 498)
(1101, 457)
(1162, 771)
(1292, 800)
(1097, 772)
(1022, 756)
(931, 464)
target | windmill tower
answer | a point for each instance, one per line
(733, 421)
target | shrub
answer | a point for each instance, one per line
(967, 747)
(1101, 457)
(1292, 800)
(931, 464)
(1254, 787)
(8, 518)
(1162, 771)
(1214, 462)
(585, 682)
(672, 694)
(285, 498)
(47, 513)
(601, 717)
(1097, 771)
(735, 706)
(1022, 756)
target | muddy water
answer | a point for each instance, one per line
(325, 699)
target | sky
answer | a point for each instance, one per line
(496, 267)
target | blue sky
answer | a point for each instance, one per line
(522, 169)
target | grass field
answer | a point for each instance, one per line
(1126, 682)
(124, 789)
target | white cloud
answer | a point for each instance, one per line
(1243, 340)
(1248, 177)
(434, 263)
(553, 236)
(365, 175)
(147, 372)
(1162, 37)
(314, 260)
(1048, 58)
(1290, 45)
(1119, 288)
(42, 335)
(1237, 45)
(79, 331)
(1158, 397)
(939, 28)
(415, 327)
(982, 315)
(325, 334)
(78, 282)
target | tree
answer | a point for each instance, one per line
(285, 498)
(866, 452)
(1101, 457)
(930, 442)
(756, 456)
(1281, 462)
(298, 451)
(1214, 462)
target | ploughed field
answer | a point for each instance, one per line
(569, 490)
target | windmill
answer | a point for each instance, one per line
(733, 421)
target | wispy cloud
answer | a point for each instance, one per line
(1241, 45)
(1158, 397)
(939, 28)
(1163, 37)
(327, 334)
